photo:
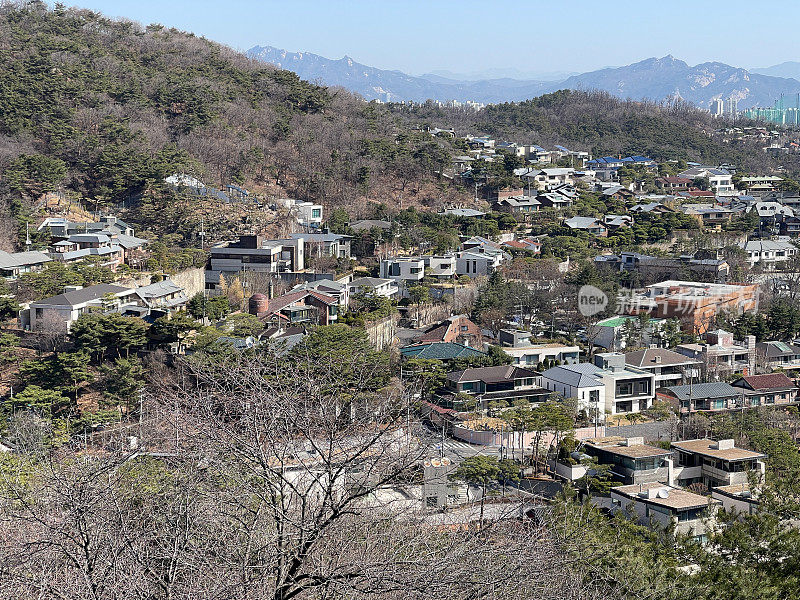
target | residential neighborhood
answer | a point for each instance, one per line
(269, 335)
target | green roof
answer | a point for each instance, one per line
(440, 351)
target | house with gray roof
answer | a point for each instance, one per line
(768, 253)
(504, 383)
(668, 367)
(374, 286)
(59, 312)
(587, 224)
(164, 296)
(14, 264)
(608, 386)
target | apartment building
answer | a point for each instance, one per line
(695, 304)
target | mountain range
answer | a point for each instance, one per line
(653, 79)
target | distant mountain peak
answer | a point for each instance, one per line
(653, 78)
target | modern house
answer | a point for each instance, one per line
(58, 313)
(14, 264)
(655, 503)
(505, 383)
(579, 381)
(440, 267)
(475, 263)
(254, 254)
(720, 180)
(408, 269)
(632, 461)
(608, 385)
(527, 353)
(373, 286)
(668, 367)
(715, 463)
(307, 214)
(324, 244)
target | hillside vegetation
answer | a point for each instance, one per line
(602, 125)
(105, 109)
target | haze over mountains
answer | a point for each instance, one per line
(653, 79)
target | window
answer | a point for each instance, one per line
(316, 213)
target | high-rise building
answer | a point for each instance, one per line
(717, 107)
(730, 108)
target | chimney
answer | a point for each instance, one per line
(657, 360)
(258, 304)
(633, 441)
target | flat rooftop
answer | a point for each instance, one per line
(674, 498)
(708, 448)
(632, 451)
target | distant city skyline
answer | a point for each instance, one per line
(468, 36)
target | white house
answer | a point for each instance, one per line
(768, 252)
(720, 180)
(58, 313)
(306, 213)
(608, 384)
(578, 381)
(374, 286)
(441, 267)
(691, 514)
(477, 262)
(403, 268)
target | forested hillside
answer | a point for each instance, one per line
(602, 125)
(105, 109)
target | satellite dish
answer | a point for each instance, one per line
(663, 493)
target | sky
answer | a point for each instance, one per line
(468, 36)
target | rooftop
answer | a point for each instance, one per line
(83, 295)
(491, 374)
(615, 446)
(656, 357)
(669, 497)
(711, 448)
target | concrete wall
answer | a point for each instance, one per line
(191, 280)
(512, 438)
(382, 333)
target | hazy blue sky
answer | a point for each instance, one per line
(418, 36)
